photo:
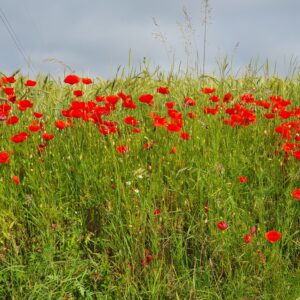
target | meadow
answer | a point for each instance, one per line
(149, 186)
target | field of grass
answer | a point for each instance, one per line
(150, 186)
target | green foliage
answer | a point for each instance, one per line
(81, 223)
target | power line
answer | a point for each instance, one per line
(15, 39)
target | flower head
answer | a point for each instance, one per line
(273, 236)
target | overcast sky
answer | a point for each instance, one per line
(93, 37)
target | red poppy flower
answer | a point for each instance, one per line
(297, 154)
(19, 138)
(131, 121)
(24, 104)
(211, 110)
(60, 124)
(136, 130)
(273, 236)
(86, 80)
(122, 149)
(12, 98)
(78, 93)
(189, 102)
(38, 115)
(214, 98)
(8, 91)
(71, 79)
(30, 83)
(129, 104)
(112, 99)
(11, 79)
(227, 97)
(156, 211)
(12, 120)
(173, 127)
(47, 136)
(4, 157)
(222, 225)
(173, 150)
(42, 148)
(296, 194)
(247, 238)
(269, 116)
(16, 180)
(163, 90)
(184, 135)
(149, 258)
(34, 128)
(208, 90)
(191, 115)
(147, 98)
(243, 179)
(159, 122)
(169, 105)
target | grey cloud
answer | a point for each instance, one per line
(95, 36)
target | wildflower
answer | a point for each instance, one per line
(4, 157)
(24, 104)
(191, 115)
(86, 80)
(34, 128)
(136, 130)
(78, 93)
(227, 97)
(211, 110)
(170, 105)
(269, 116)
(296, 194)
(222, 225)
(247, 238)
(273, 236)
(208, 90)
(189, 102)
(297, 154)
(214, 98)
(3, 117)
(12, 120)
(8, 91)
(173, 127)
(163, 90)
(60, 124)
(122, 149)
(20, 137)
(10, 79)
(243, 179)
(38, 115)
(159, 121)
(47, 136)
(71, 79)
(147, 98)
(156, 211)
(131, 121)
(184, 135)
(173, 150)
(16, 180)
(30, 83)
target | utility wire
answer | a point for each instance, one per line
(16, 40)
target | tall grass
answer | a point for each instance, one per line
(81, 224)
